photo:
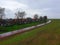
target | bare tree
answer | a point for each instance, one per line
(36, 16)
(45, 18)
(2, 14)
(20, 15)
(40, 19)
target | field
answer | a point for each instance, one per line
(45, 35)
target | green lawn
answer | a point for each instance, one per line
(16, 27)
(45, 35)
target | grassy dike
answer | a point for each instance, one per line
(45, 35)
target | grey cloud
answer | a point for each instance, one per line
(54, 5)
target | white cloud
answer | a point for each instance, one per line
(11, 4)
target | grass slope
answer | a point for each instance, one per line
(45, 35)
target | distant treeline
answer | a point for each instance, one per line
(9, 22)
(19, 18)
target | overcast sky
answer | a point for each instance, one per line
(51, 8)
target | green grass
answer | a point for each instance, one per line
(45, 35)
(16, 27)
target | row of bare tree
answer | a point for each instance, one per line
(19, 18)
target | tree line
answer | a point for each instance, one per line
(20, 18)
